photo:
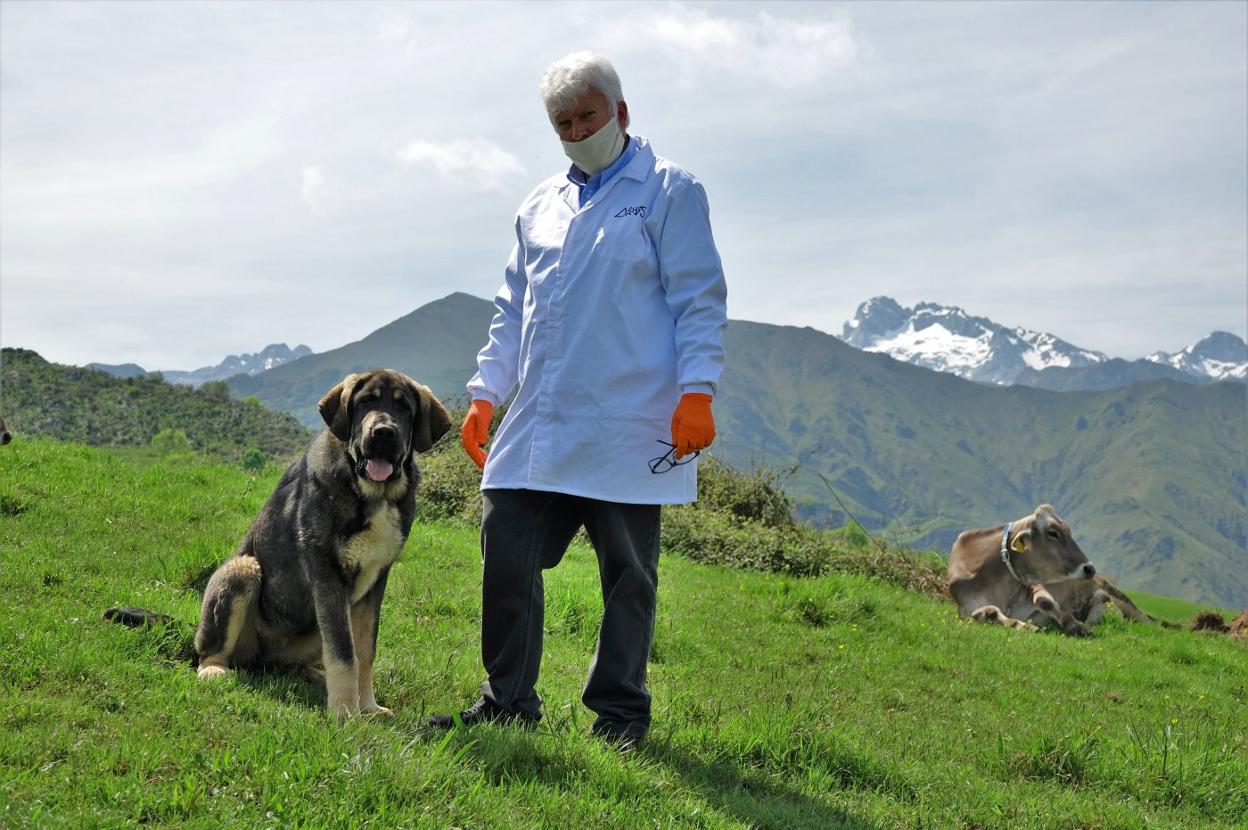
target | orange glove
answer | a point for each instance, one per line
(693, 425)
(476, 431)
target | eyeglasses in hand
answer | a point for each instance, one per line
(667, 460)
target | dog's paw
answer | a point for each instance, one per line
(342, 708)
(212, 672)
(376, 711)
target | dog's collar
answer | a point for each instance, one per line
(1005, 554)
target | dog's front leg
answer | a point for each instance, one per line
(364, 619)
(333, 617)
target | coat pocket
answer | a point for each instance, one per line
(624, 242)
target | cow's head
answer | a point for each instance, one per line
(1043, 548)
(383, 416)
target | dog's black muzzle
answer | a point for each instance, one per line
(382, 445)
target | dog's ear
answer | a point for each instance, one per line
(335, 410)
(434, 421)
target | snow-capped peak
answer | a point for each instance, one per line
(948, 339)
(275, 354)
(1220, 356)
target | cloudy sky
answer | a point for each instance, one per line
(181, 181)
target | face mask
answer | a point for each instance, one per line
(595, 153)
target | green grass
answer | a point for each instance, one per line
(1175, 610)
(780, 702)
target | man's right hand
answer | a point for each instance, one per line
(475, 432)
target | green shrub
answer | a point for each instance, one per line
(216, 389)
(755, 496)
(855, 535)
(450, 485)
(254, 460)
(172, 442)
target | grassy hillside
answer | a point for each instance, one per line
(72, 403)
(1176, 610)
(780, 702)
(1152, 477)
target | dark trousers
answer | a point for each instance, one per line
(526, 531)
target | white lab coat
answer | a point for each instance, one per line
(609, 311)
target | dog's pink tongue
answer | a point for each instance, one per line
(379, 470)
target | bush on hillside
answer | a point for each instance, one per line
(171, 442)
(745, 520)
(450, 483)
(742, 520)
(253, 460)
(753, 497)
(218, 389)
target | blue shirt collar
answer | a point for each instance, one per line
(590, 185)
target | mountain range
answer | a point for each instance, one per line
(270, 357)
(948, 339)
(1151, 475)
(1221, 356)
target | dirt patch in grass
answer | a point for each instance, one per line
(1239, 626)
(1210, 621)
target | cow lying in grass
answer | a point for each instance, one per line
(1030, 573)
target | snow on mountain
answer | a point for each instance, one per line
(947, 339)
(270, 356)
(1220, 356)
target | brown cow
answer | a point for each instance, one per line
(1024, 573)
(1079, 597)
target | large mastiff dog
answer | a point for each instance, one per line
(1025, 573)
(4, 433)
(304, 587)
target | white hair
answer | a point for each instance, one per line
(572, 76)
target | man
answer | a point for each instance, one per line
(610, 321)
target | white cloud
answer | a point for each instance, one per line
(314, 190)
(787, 52)
(958, 153)
(474, 163)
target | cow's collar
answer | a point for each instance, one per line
(1005, 554)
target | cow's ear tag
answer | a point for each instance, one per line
(1019, 545)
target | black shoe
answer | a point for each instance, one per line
(618, 735)
(485, 711)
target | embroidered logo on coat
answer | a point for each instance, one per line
(640, 210)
